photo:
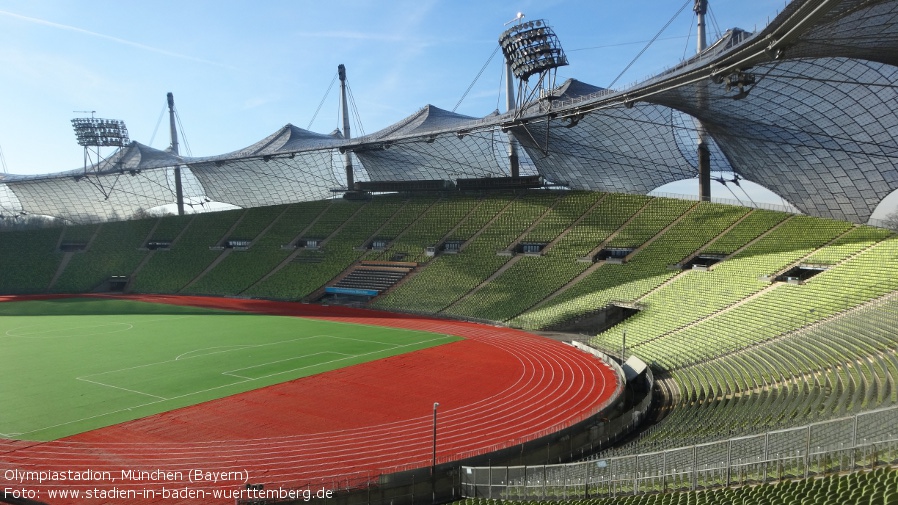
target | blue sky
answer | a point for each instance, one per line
(241, 70)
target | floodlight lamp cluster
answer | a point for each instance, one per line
(97, 132)
(739, 80)
(532, 48)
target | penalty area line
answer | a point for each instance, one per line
(147, 404)
(344, 358)
(119, 387)
(193, 393)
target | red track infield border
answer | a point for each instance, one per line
(496, 388)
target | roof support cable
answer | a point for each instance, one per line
(320, 104)
(736, 179)
(502, 87)
(611, 86)
(460, 100)
(717, 32)
(183, 135)
(158, 122)
(723, 181)
(688, 34)
(355, 112)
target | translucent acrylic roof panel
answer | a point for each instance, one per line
(428, 120)
(813, 120)
(854, 28)
(287, 139)
(94, 198)
(270, 180)
(820, 132)
(446, 157)
(621, 149)
(137, 156)
(9, 202)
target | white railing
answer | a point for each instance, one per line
(865, 440)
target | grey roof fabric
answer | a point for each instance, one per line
(271, 180)
(814, 120)
(286, 140)
(631, 150)
(96, 197)
(428, 146)
(818, 126)
(428, 120)
(828, 148)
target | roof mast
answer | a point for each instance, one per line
(179, 192)
(704, 154)
(700, 9)
(347, 156)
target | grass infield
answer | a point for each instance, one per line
(73, 365)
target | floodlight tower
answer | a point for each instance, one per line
(92, 133)
(179, 192)
(532, 48)
(347, 156)
(704, 154)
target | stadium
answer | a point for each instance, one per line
(480, 309)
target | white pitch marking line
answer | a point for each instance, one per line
(32, 335)
(119, 387)
(188, 394)
(201, 355)
(282, 360)
(235, 347)
(227, 348)
(125, 323)
(347, 356)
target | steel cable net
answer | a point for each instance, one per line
(443, 158)
(10, 205)
(808, 119)
(94, 198)
(806, 108)
(270, 180)
(139, 178)
(820, 131)
(290, 165)
(433, 144)
(630, 150)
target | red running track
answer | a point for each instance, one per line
(496, 388)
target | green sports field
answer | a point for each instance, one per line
(72, 365)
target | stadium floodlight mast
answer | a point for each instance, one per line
(532, 48)
(92, 133)
(97, 132)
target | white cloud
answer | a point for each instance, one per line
(117, 40)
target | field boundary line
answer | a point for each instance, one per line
(142, 405)
(231, 348)
(347, 356)
(228, 372)
(119, 387)
(31, 335)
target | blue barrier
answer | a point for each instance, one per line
(351, 291)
